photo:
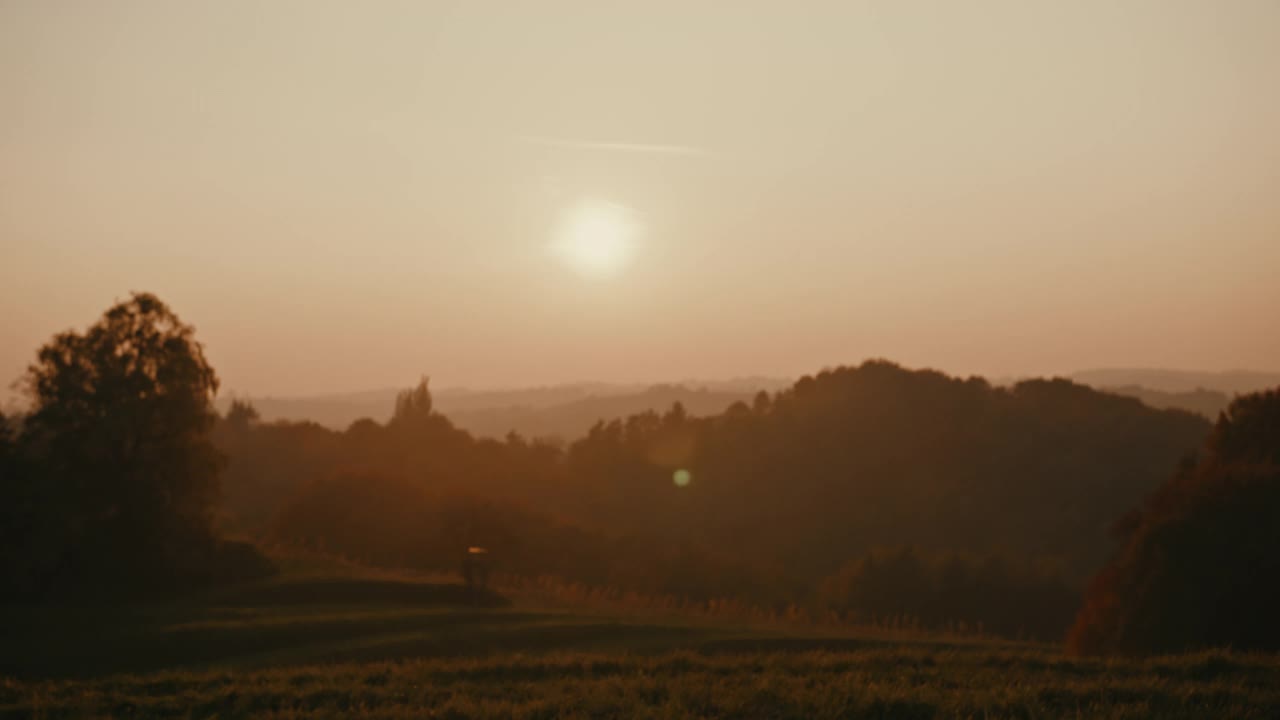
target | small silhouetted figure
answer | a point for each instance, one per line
(475, 571)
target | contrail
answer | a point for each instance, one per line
(652, 149)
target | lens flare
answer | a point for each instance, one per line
(682, 477)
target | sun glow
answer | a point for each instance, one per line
(596, 238)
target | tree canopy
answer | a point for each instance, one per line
(1200, 561)
(790, 490)
(119, 478)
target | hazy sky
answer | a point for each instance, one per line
(345, 195)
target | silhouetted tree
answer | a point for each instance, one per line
(1200, 563)
(241, 415)
(15, 512)
(413, 405)
(120, 476)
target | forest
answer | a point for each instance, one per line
(1044, 510)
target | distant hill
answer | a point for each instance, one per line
(1231, 382)
(561, 411)
(567, 411)
(571, 420)
(335, 411)
(1208, 403)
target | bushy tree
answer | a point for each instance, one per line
(1200, 563)
(120, 476)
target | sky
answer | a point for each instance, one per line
(343, 195)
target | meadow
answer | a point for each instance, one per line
(376, 646)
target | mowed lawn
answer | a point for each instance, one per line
(352, 647)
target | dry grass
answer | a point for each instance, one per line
(320, 643)
(724, 681)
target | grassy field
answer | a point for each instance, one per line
(367, 647)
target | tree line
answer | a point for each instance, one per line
(865, 492)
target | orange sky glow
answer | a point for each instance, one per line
(348, 195)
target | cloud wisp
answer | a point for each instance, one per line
(604, 146)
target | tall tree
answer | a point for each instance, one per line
(123, 472)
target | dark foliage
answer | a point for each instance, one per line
(272, 462)
(780, 494)
(878, 455)
(111, 483)
(952, 591)
(386, 521)
(1200, 563)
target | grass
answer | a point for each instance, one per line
(380, 647)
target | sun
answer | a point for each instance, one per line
(596, 238)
